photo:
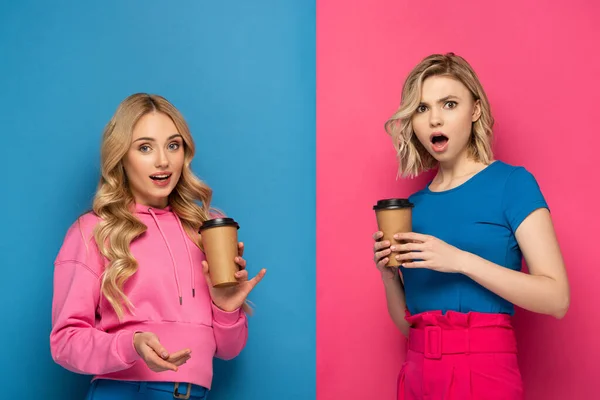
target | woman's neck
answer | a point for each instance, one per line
(453, 174)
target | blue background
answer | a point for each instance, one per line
(243, 75)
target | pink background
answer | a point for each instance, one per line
(540, 66)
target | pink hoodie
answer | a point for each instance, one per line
(170, 297)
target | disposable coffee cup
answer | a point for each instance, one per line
(220, 243)
(393, 216)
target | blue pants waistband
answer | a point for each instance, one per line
(197, 392)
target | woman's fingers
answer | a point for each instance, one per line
(157, 364)
(377, 235)
(381, 245)
(382, 263)
(241, 276)
(380, 254)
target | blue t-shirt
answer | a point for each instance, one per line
(481, 217)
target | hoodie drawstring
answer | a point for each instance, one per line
(171, 254)
(187, 248)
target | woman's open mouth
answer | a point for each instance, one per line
(439, 142)
(161, 179)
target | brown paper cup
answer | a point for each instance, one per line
(393, 216)
(220, 243)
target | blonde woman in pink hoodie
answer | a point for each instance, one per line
(133, 304)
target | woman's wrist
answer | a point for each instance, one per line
(465, 261)
(225, 309)
(392, 283)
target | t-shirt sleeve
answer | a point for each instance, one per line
(522, 196)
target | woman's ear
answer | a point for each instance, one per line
(476, 111)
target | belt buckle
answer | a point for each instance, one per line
(433, 342)
(178, 395)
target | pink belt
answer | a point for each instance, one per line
(433, 341)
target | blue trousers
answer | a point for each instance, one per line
(104, 389)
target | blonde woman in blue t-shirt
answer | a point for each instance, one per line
(472, 225)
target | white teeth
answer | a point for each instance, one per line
(160, 176)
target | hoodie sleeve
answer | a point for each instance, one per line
(231, 332)
(75, 341)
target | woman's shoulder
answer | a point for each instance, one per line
(82, 229)
(79, 244)
(515, 179)
(507, 170)
(86, 222)
(416, 195)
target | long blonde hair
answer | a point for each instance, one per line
(413, 158)
(113, 201)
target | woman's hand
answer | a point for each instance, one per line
(425, 251)
(382, 252)
(156, 357)
(231, 298)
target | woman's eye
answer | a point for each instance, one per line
(144, 148)
(174, 146)
(451, 104)
(421, 108)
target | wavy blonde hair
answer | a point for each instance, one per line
(113, 201)
(413, 158)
